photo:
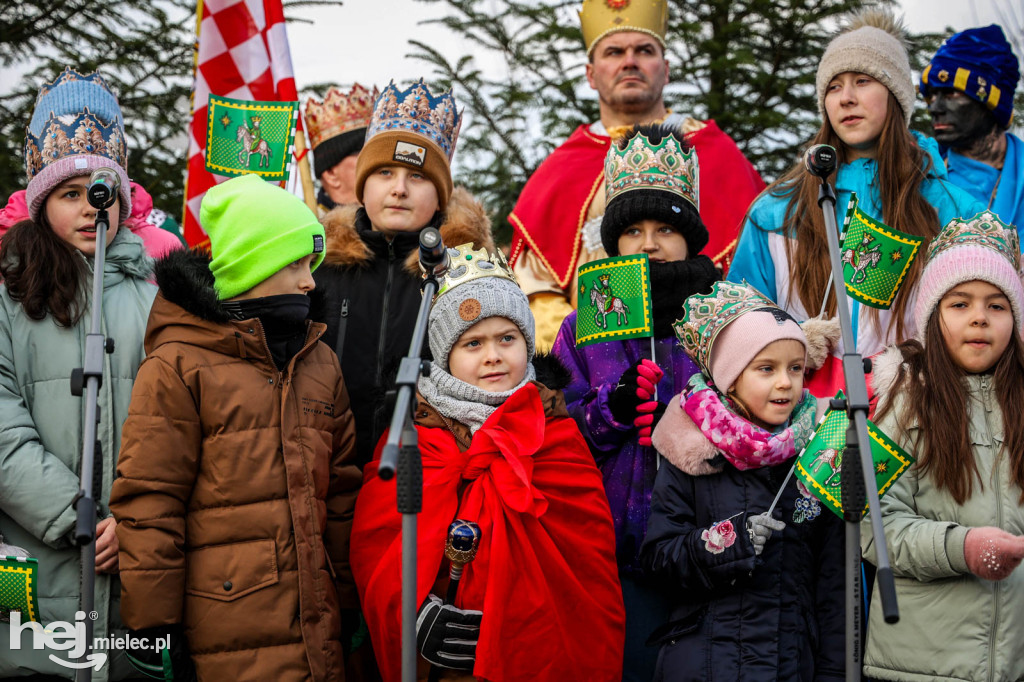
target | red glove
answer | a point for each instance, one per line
(636, 385)
(992, 553)
(649, 414)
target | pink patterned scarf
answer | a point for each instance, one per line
(746, 445)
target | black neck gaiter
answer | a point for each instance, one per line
(672, 283)
(283, 318)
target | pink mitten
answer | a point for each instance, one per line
(992, 553)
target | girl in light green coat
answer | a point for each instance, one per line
(954, 521)
(45, 314)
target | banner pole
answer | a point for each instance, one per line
(191, 107)
(302, 155)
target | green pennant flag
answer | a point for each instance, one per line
(820, 464)
(250, 137)
(614, 300)
(875, 257)
(18, 588)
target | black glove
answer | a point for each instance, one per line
(636, 385)
(446, 636)
(156, 663)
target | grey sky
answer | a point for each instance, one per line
(367, 40)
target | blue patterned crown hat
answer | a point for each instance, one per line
(980, 63)
(76, 127)
(416, 110)
(412, 128)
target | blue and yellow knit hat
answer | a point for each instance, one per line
(980, 63)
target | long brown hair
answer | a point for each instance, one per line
(43, 272)
(902, 166)
(937, 400)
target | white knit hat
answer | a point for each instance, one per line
(871, 44)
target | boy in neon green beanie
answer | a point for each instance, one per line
(236, 486)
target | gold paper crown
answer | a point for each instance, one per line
(466, 265)
(599, 18)
(642, 165)
(706, 315)
(339, 112)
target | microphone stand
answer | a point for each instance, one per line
(401, 451)
(88, 378)
(858, 471)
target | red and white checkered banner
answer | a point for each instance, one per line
(242, 53)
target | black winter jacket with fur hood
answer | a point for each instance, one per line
(370, 293)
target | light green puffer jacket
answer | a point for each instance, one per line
(953, 625)
(41, 446)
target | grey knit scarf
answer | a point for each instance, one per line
(464, 402)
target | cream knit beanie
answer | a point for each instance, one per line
(873, 43)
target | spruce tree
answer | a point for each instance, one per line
(143, 48)
(748, 64)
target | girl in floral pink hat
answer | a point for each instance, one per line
(757, 594)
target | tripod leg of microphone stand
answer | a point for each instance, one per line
(853, 603)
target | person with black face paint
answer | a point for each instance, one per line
(236, 480)
(969, 86)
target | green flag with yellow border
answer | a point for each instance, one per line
(18, 588)
(244, 136)
(614, 300)
(875, 257)
(820, 465)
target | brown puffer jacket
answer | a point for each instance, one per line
(235, 490)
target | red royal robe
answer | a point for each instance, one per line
(550, 212)
(544, 575)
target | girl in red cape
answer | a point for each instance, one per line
(541, 600)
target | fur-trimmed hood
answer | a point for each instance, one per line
(465, 220)
(185, 280)
(188, 310)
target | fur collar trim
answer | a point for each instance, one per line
(185, 280)
(679, 441)
(885, 370)
(465, 220)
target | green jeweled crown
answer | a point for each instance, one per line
(984, 229)
(642, 165)
(706, 315)
(466, 265)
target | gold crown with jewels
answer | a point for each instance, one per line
(339, 113)
(642, 165)
(466, 265)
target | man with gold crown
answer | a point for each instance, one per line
(337, 129)
(556, 221)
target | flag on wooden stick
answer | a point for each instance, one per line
(242, 54)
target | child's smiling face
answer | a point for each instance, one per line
(490, 355)
(772, 383)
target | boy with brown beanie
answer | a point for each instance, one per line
(370, 278)
(235, 488)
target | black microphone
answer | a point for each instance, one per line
(433, 254)
(104, 184)
(820, 160)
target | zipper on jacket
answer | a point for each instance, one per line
(384, 313)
